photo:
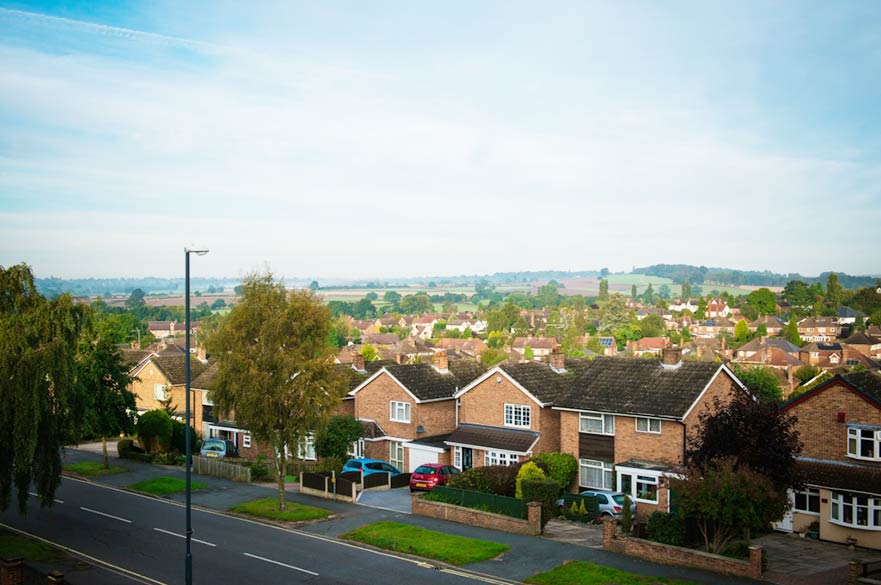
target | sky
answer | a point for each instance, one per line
(382, 139)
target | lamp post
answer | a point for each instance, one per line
(188, 567)
(138, 331)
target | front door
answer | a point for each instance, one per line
(467, 458)
(785, 524)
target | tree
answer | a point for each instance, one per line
(418, 303)
(491, 356)
(313, 286)
(371, 296)
(762, 382)
(727, 499)
(751, 433)
(763, 300)
(218, 304)
(798, 295)
(686, 290)
(741, 331)
(528, 353)
(392, 297)
(155, 431)
(807, 373)
(364, 309)
(633, 292)
(834, 291)
(136, 299)
(652, 326)
(275, 367)
(103, 382)
(369, 353)
(664, 291)
(38, 342)
(604, 290)
(790, 332)
(337, 437)
(614, 315)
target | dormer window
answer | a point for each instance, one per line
(864, 442)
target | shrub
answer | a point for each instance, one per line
(626, 516)
(179, 439)
(500, 480)
(336, 439)
(545, 491)
(259, 468)
(155, 431)
(666, 528)
(528, 471)
(124, 447)
(561, 467)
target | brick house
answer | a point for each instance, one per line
(819, 329)
(540, 346)
(409, 410)
(162, 377)
(627, 421)
(839, 422)
(865, 344)
(717, 308)
(505, 414)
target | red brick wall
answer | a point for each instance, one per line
(485, 403)
(665, 447)
(372, 402)
(722, 387)
(823, 436)
(472, 517)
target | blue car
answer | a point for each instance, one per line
(369, 466)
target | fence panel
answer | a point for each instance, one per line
(373, 480)
(220, 468)
(353, 476)
(313, 480)
(401, 480)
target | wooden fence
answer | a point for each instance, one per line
(220, 468)
(330, 486)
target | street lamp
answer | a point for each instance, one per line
(138, 331)
(188, 567)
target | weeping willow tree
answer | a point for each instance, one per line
(38, 342)
(275, 367)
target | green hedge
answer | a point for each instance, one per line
(479, 501)
(562, 467)
(545, 491)
(666, 528)
(500, 480)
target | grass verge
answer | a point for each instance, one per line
(585, 573)
(268, 508)
(93, 468)
(166, 485)
(14, 545)
(456, 550)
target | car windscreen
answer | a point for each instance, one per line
(213, 446)
(425, 470)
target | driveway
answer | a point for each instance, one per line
(397, 500)
(803, 561)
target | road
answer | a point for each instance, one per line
(141, 539)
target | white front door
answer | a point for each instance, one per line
(785, 524)
(420, 457)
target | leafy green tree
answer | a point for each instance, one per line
(790, 332)
(364, 309)
(371, 296)
(701, 313)
(664, 291)
(547, 296)
(103, 382)
(614, 315)
(496, 339)
(313, 286)
(528, 353)
(652, 326)
(763, 300)
(369, 353)
(762, 382)
(492, 356)
(633, 292)
(604, 290)
(741, 331)
(392, 297)
(218, 304)
(136, 299)
(275, 367)
(414, 304)
(335, 439)
(38, 342)
(155, 431)
(834, 291)
(807, 373)
(798, 295)
(502, 319)
(685, 290)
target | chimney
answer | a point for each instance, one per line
(439, 361)
(557, 359)
(358, 363)
(400, 358)
(671, 356)
(200, 353)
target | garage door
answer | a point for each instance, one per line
(420, 456)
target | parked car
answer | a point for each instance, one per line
(369, 466)
(610, 503)
(425, 477)
(218, 449)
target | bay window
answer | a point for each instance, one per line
(855, 510)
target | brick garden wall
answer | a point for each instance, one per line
(472, 517)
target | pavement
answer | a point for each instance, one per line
(793, 560)
(528, 555)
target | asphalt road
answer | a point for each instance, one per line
(142, 540)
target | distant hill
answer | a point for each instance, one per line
(727, 276)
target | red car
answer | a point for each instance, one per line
(430, 475)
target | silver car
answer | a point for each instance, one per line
(610, 503)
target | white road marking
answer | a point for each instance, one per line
(280, 564)
(183, 536)
(107, 515)
(38, 495)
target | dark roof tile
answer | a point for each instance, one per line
(426, 383)
(518, 441)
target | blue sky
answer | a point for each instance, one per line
(391, 139)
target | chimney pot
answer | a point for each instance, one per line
(557, 359)
(439, 361)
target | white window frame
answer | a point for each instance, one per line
(356, 449)
(648, 425)
(856, 438)
(606, 470)
(246, 441)
(649, 480)
(457, 457)
(396, 448)
(306, 448)
(399, 411)
(606, 423)
(500, 458)
(809, 494)
(840, 502)
(160, 392)
(518, 416)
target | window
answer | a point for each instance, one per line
(855, 510)
(396, 452)
(807, 501)
(864, 442)
(647, 488)
(399, 411)
(596, 474)
(648, 425)
(594, 422)
(457, 457)
(517, 415)
(246, 441)
(159, 391)
(306, 448)
(500, 458)
(357, 449)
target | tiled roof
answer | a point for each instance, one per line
(860, 338)
(174, 368)
(638, 386)
(542, 381)
(438, 441)
(847, 312)
(426, 383)
(371, 429)
(354, 378)
(132, 357)
(518, 441)
(841, 475)
(868, 382)
(206, 378)
(536, 342)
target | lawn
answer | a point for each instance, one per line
(13, 545)
(268, 508)
(166, 485)
(456, 550)
(585, 573)
(93, 468)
